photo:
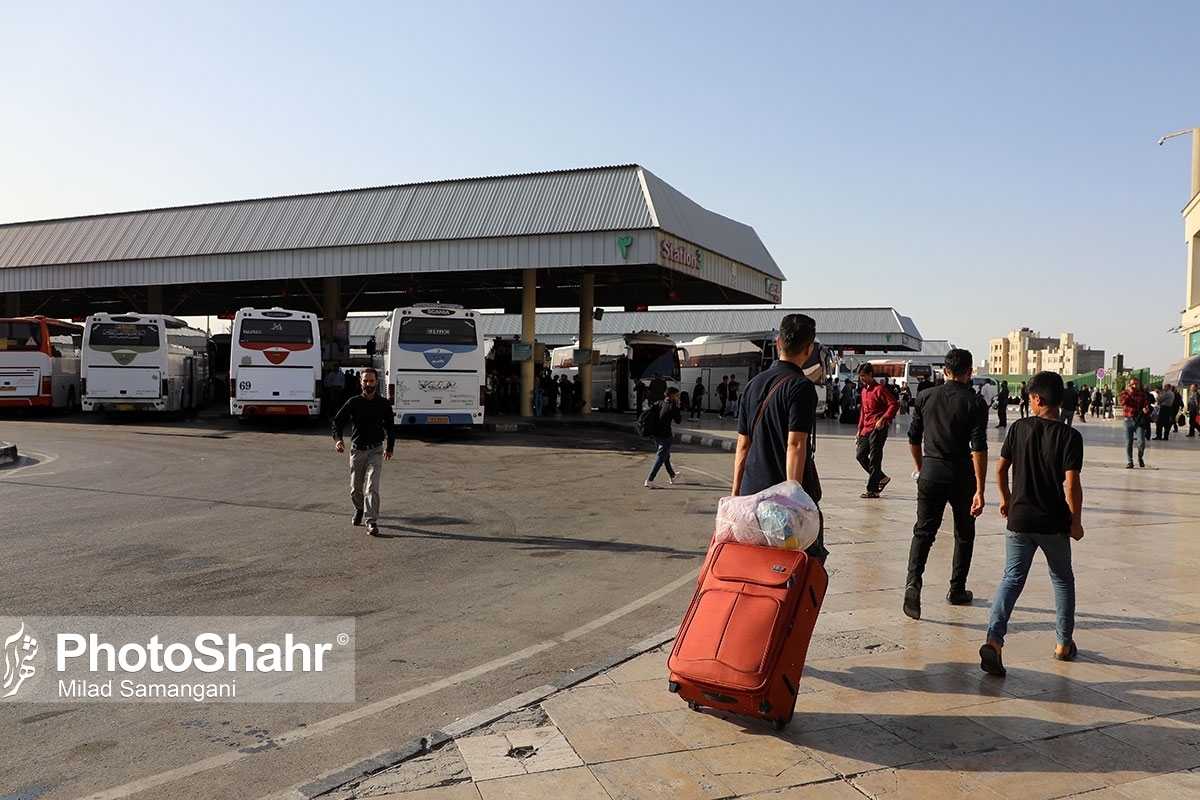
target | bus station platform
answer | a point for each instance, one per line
(889, 707)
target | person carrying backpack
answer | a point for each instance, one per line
(668, 412)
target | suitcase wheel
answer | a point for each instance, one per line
(673, 687)
(693, 705)
(781, 722)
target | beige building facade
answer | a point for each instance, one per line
(1190, 324)
(1025, 352)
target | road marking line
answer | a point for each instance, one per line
(340, 720)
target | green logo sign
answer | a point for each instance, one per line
(624, 243)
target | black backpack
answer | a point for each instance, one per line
(647, 421)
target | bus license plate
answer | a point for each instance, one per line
(124, 406)
(276, 409)
(437, 420)
(8, 388)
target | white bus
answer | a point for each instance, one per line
(430, 360)
(274, 363)
(902, 372)
(620, 362)
(39, 363)
(144, 362)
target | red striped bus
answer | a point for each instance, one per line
(274, 363)
(39, 363)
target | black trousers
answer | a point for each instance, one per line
(931, 508)
(868, 450)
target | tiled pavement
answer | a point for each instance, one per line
(890, 707)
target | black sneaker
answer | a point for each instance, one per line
(372, 530)
(962, 597)
(358, 514)
(912, 602)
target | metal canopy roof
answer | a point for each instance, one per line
(859, 329)
(462, 241)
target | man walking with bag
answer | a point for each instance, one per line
(775, 428)
(668, 412)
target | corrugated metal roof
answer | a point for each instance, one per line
(834, 325)
(571, 201)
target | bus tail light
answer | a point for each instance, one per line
(47, 385)
(482, 395)
(317, 389)
(166, 388)
(232, 389)
(392, 394)
(83, 387)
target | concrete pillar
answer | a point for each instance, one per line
(154, 299)
(587, 298)
(528, 334)
(331, 315)
(12, 304)
(331, 300)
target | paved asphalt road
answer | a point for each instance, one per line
(505, 561)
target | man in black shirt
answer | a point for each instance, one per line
(948, 441)
(776, 444)
(372, 418)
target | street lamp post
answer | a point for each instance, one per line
(1195, 132)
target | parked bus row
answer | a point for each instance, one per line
(430, 360)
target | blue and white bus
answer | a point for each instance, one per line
(430, 360)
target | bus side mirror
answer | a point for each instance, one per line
(371, 346)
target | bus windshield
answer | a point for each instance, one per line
(20, 336)
(436, 330)
(124, 334)
(275, 331)
(648, 360)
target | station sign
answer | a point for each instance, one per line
(683, 254)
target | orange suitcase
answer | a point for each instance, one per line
(742, 644)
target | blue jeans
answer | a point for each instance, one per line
(1132, 429)
(662, 457)
(1019, 550)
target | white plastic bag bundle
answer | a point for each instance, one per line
(782, 515)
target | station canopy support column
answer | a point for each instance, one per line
(528, 334)
(154, 299)
(587, 298)
(12, 304)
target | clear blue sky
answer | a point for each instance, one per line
(979, 166)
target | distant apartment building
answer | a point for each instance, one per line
(1025, 351)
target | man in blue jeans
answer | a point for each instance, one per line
(1135, 408)
(668, 412)
(1043, 510)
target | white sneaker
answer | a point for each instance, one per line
(674, 479)
(649, 485)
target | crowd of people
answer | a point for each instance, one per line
(1037, 473)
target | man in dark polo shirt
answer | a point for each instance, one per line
(950, 422)
(777, 445)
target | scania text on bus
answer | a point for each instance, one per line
(430, 360)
